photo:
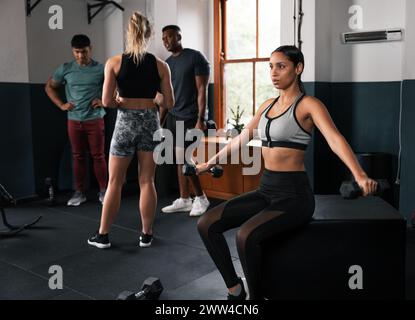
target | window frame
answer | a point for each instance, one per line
(220, 60)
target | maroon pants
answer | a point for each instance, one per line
(88, 136)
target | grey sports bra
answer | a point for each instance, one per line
(285, 130)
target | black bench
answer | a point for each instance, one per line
(322, 259)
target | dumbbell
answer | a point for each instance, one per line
(190, 170)
(151, 290)
(351, 190)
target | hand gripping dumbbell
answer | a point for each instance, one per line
(351, 190)
(190, 170)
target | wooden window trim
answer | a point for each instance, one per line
(246, 60)
(220, 59)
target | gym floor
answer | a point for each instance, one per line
(177, 256)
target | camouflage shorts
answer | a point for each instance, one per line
(134, 131)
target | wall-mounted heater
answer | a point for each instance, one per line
(395, 34)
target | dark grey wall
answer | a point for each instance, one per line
(51, 147)
(407, 180)
(35, 144)
(16, 158)
(50, 141)
(34, 141)
(367, 114)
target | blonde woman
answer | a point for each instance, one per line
(142, 82)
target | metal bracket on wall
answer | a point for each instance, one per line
(298, 24)
(29, 7)
(101, 5)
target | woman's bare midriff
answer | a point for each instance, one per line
(136, 104)
(283, 159)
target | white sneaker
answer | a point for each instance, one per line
(77, 198)
(101, 196)
(200, 205)
(179, 205)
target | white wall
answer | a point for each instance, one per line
(193, 19)
(367, 61)
(308, 33)
(323, 38)
(113, 31)
(409, 47)
(13, 39)
(129, 7)
(47, 48)
(164, 13)
(327, 59)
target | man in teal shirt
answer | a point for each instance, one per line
(83, 79)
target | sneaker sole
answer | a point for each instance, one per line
(75, 204)
(196, 214)
(99, 245)
(145, 245)
(177, 210)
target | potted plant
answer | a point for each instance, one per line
(236, 117)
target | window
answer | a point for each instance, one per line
(246, 32)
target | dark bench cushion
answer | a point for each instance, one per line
(313, 262)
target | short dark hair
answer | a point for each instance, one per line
(172, 27)
(80, 41)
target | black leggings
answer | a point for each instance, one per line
(284, 201)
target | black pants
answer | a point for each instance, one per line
(171, 124)
(284, 201)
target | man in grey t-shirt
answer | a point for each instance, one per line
(190, 76)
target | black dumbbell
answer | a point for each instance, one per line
(351, 190)
(151, 290)
(190, 170)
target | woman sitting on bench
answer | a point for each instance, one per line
(284, 200)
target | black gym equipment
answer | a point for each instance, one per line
(7, 200)
(151, 290)
(351, 190)
(100, 5)
(314, 262)
(190, 170)
(30, 7)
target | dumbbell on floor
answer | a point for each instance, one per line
(151, 290)
(351, 190)
(190, 170)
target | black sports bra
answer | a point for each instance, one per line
(139, 81)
